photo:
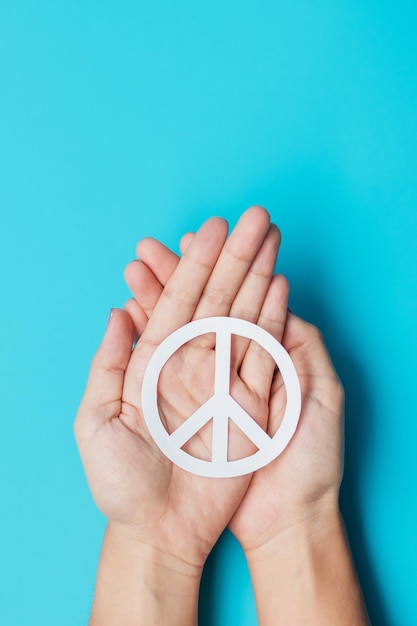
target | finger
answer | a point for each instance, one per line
(249, 300)
(254, 288)
(143, 284)
(179, 299)
(233, 264)
(158, 257)
(318, 378)
(103, 393)
(250, 297)
(258, 366)
(138, 316)
(185, 241)
(142, 279)
(306, 346)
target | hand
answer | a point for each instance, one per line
(306, 477)
(288, 520)
(138, 489)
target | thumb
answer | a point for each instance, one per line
(103, 394)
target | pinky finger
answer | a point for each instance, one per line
(159, 259)
(137, 315)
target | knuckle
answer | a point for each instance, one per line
(203, 341)
(245, 314)
(217, 296)
(260, 352)
(179, 296)
(238, 256)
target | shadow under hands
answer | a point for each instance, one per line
(226, 594)
(360, 423)
(207, 594)
(359, 426)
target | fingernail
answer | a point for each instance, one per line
(109, 318)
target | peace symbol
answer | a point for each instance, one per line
(221, 406)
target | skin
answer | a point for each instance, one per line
(164, 521)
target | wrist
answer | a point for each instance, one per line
(140, 583)
(151, 554)
(305, 574)
(307, 525)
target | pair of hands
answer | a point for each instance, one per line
(141, 492)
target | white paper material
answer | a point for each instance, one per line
(221, 406)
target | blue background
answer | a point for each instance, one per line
(125, 119)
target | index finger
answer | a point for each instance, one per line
(183, 290)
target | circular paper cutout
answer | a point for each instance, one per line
(221, 406)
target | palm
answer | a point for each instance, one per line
(186, 383)
(309, 469)
(129, 468)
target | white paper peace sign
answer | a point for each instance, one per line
(221, 406)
